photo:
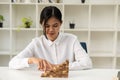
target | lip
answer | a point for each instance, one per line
(51, 33)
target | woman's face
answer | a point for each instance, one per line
(52, 28)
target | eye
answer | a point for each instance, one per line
(47, 26)
(55, 25)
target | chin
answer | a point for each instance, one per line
(50, 38)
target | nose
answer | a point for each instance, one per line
(51, 29)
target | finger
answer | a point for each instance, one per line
(49, 65)
(40, 65)
(44, 65)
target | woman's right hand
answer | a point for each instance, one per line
(41, 63)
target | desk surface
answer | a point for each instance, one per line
(32, 74)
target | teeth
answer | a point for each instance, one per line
(60, 71)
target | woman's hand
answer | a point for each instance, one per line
(41, 63)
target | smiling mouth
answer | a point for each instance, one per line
(51, 33)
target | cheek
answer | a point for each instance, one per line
(58, 29)
(46, 31)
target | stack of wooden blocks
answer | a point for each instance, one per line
(60, 71)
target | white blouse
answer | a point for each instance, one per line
(66, 46)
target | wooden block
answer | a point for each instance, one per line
(60, 71)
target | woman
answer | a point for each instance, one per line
(53, 47)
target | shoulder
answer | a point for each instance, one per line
(38, 39)
(68, 35)
(68, 39)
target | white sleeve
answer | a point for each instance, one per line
(82, 59)
(21, 60)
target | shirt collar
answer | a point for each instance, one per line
(57, 41)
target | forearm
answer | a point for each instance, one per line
(21, 60)
(18, 63)
(83, 63)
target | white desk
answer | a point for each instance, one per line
(32, 74)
